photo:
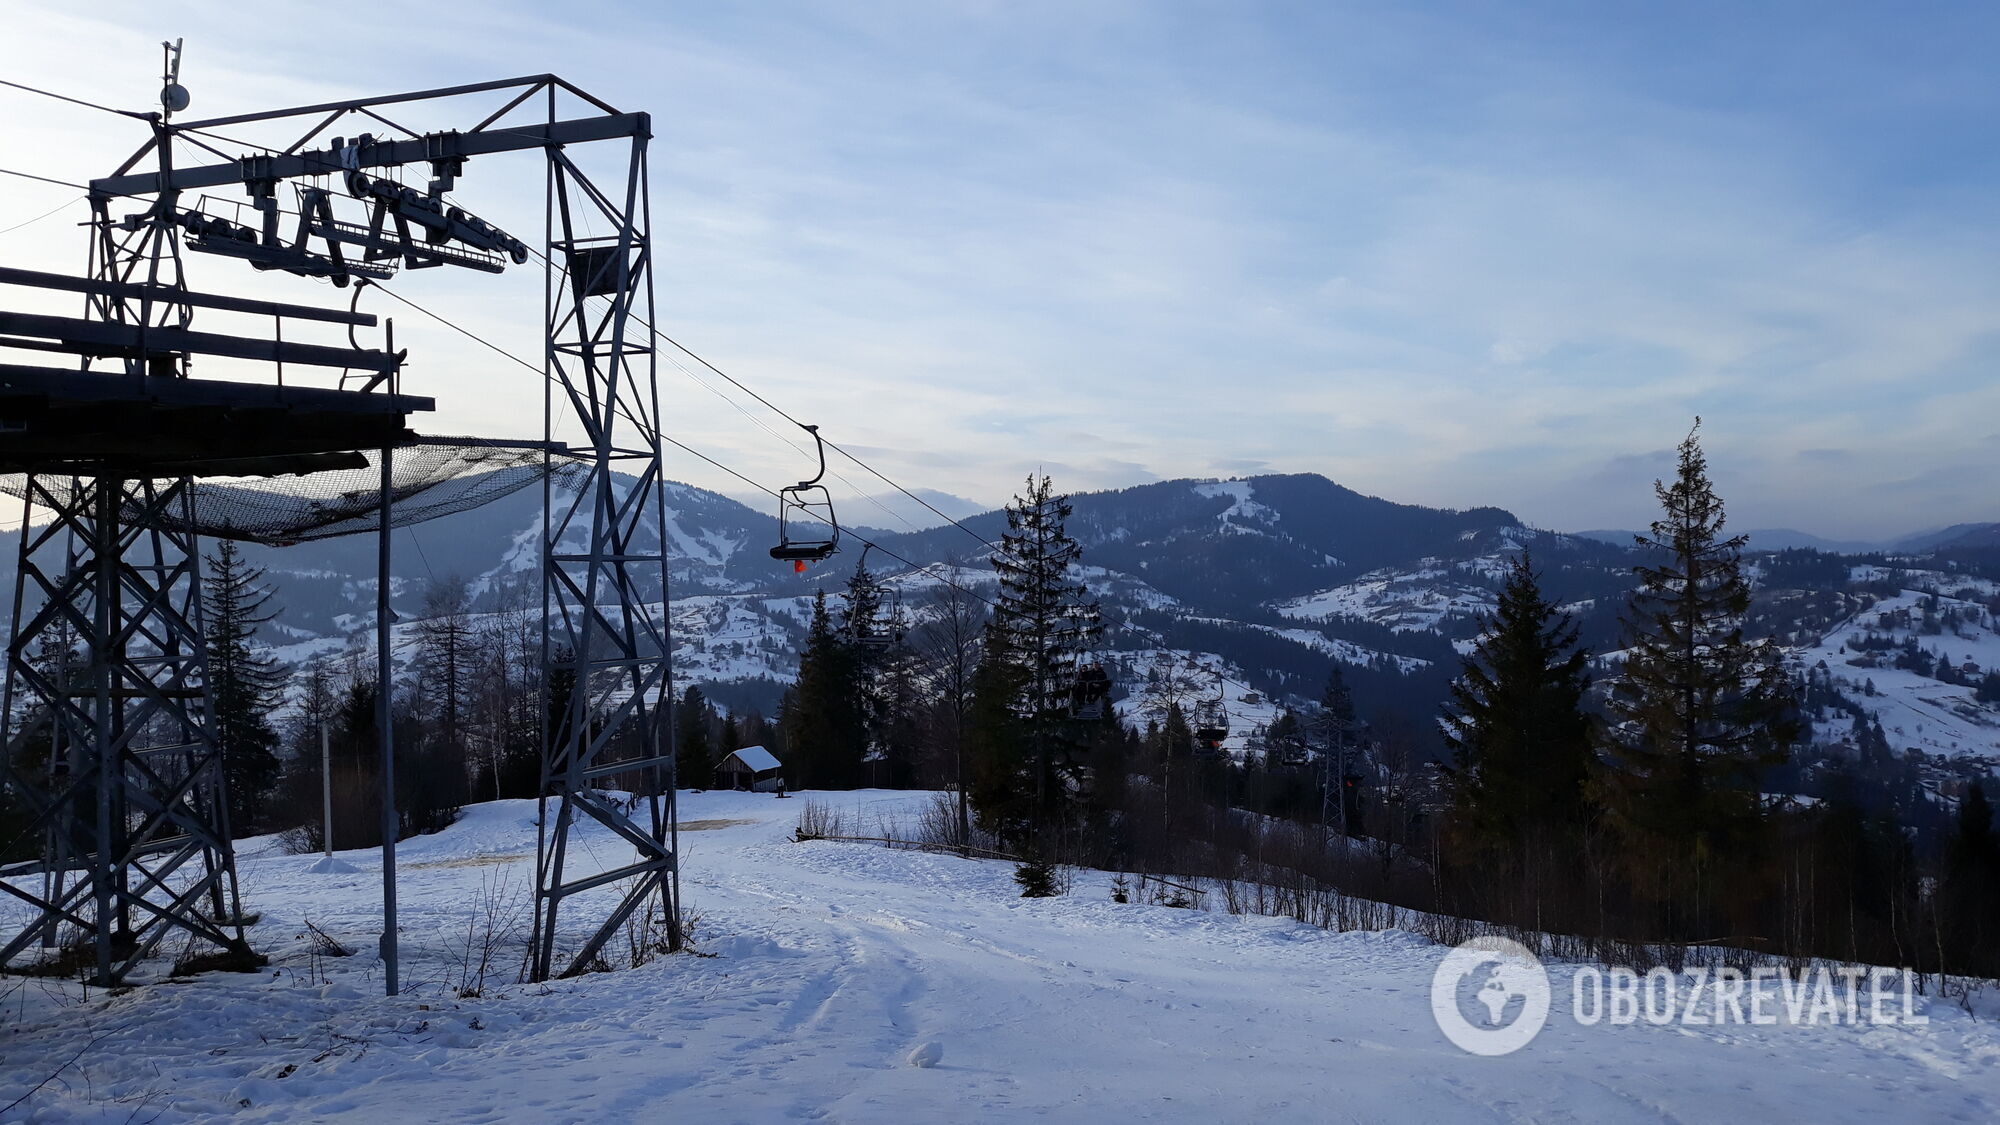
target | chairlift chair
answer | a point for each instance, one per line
(1088, 693)
(886, 627)
(801, 504)
(1211, 717)
(1211, 722)
(890, 629)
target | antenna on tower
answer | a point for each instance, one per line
(173, 95)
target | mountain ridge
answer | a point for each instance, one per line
(1272, 579)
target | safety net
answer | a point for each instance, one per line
(428, 477)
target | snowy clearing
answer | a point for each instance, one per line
(840, 970)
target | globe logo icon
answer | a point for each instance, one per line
(1510, 993)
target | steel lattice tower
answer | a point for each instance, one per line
(115, 755)
(604, 568)
(132, 793)
(606, 665)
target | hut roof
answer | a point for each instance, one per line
(757, 758)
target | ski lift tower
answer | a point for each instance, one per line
(112, 756)
(603, 547)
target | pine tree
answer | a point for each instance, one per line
(1174, 750)
(694, 758)
(825, 734)
(1285, 742)
(898, 736)
(950, 638)
(1036, 878)
(1520, 742)
(447, 657)
(243, 685)
(997, 743)
(1043, 622)
(507, 694)
(1337, 735)
(882, 666)
(1969, 894)
(1698, 711)
(556, 717)
(302, 780)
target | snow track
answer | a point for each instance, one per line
(832, 962)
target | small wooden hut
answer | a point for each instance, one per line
(752, 768)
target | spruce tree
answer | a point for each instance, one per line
(949, 640)
(447, 658)
(1521, 745)
(1173, 748)
(824, 729)
(997, 743)
(884, 673)
(1969, 894)
(897, 739)
(243, 685)
(556, 717)
(1337, 731)
(447, 652)
(507, 688)
(1285, 742)
(694, 758)
(1044, 622)
(1698, 711)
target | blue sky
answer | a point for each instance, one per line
(1452, 254)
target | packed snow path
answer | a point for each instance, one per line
(832, 963)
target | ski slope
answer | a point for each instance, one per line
(832, 963)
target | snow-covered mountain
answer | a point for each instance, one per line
(1267, 579)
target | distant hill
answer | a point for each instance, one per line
(1616, 536)
(1968, 535)
(1272, 579)
(1785, 538)
(1958, 536)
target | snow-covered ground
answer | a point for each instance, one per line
(1917, 711)
(832, 963)
(1248, 711)
(1403, 600)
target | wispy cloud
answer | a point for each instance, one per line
(1457, 256)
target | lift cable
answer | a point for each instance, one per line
(74, 101)
(138, 115)
(782, 413)
(497, 349)
(801, 450)
(38, 218)
(690, 353)
(835, 446)
(44, 179)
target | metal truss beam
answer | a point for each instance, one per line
(380, 154)
(38, 280)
